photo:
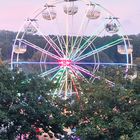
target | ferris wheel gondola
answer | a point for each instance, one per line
(29, 27)
(49, 13)
(20, 48)
(70, 10)
(92, 13)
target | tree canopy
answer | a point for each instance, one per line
(103, 112)
(25, 105)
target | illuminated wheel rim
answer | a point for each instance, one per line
(69, 51)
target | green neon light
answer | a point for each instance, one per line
(60, 77)
(116, 42)
(92, 37)
(56, 74)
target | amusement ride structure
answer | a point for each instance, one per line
(69, 30)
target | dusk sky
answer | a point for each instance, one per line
(13, 12)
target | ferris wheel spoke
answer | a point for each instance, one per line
(50, 41)
(38, 48)
(50, 71)
(67, 34)
(75, 87)
(57, 75)
(84, 71)
(76, 73)
(44, 56)
(35, 63)
(61, 83)
(89, 41)
(95, 56)
(59, 91)
(55, 47)
(61, 40)
(58, 47)
(100, 49)
(79, 39)
(102, 64)
(62, 43)
(77, 44)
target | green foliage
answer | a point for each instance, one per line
(25, 105)
(103, 112)
(107, 113)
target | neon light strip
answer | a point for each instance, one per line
(54, 46)
(79, 41)
(75, 74)
(52, 63)
(77, 63)
(61, 38)
(80, 29)
(50, 71)
(89, 41)
(56, 74)
(85, 71)
(76, 70)
(75, 88)
(50, 41)
(66, 85)
(109, 45)
(99, 49)
(61, 50)
(96, 55)
(39, 49)
(60, 44)
(62, 75)
(92, 63)
(62, 83)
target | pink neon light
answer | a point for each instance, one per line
(64, 62)
(75, 74)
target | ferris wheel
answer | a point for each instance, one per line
(63, 41)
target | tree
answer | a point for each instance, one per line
(25, 105)
(107, 112)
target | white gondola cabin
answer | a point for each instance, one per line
(92, 12)
(49, 13)
(20, 48)
(111, 28)
(30, 29)
(70, 10)
(122, 49)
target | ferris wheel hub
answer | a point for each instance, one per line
(65, 62)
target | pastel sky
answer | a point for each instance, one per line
(13, 12)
